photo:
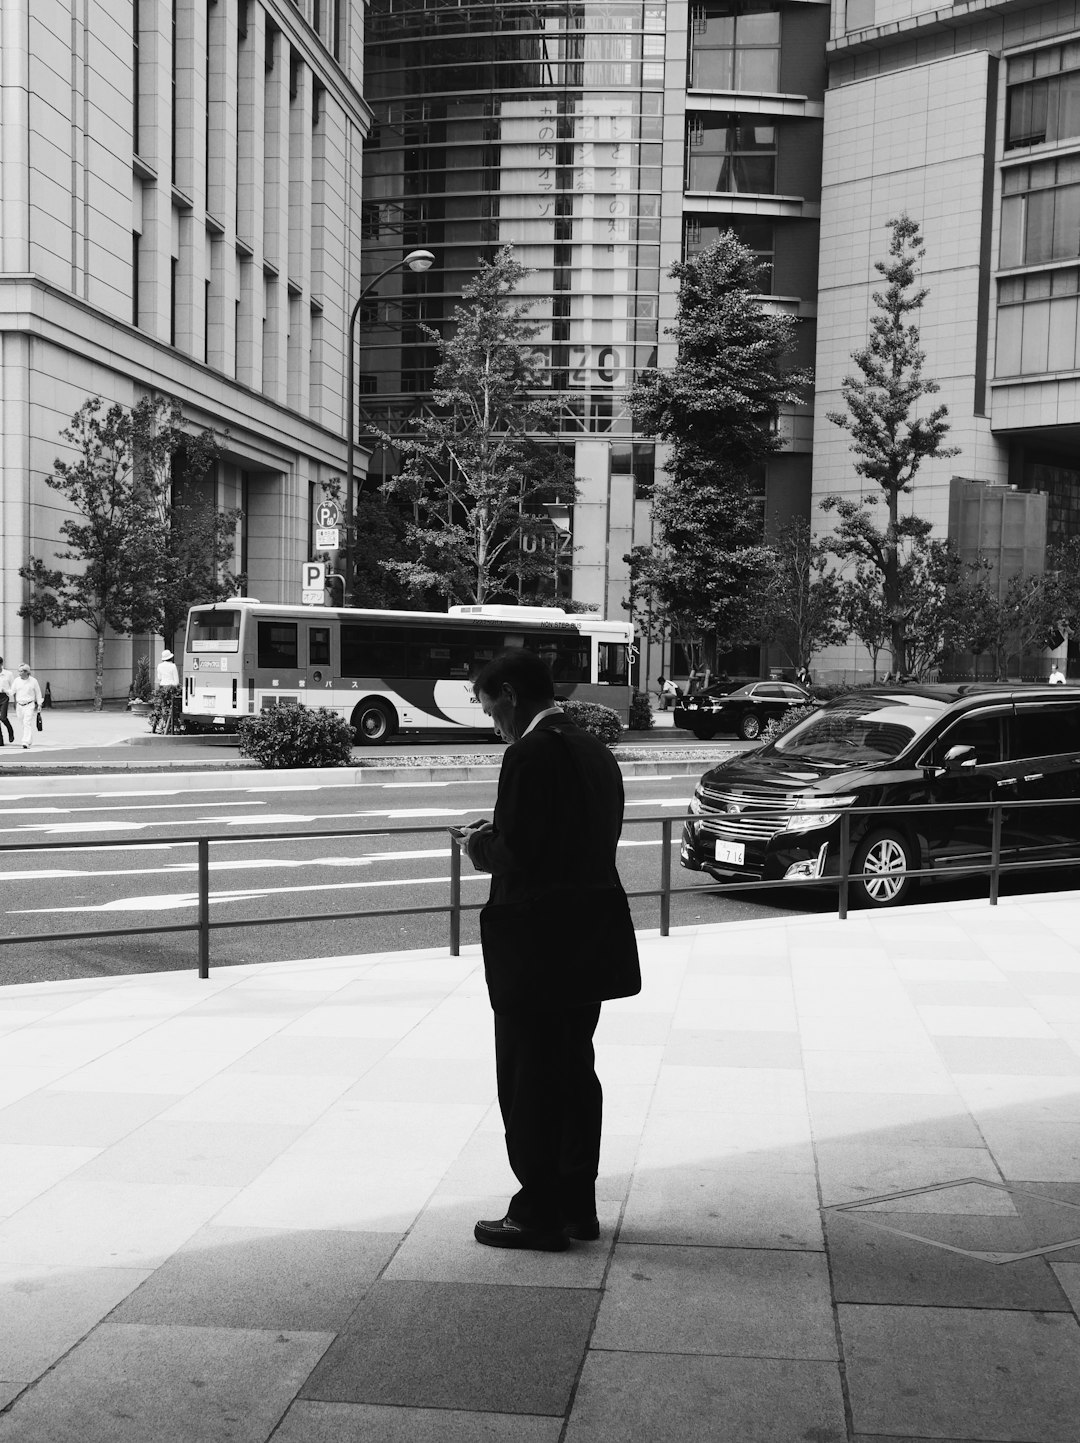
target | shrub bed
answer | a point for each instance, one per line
(641, 717)
(602, 721)
(297, 736)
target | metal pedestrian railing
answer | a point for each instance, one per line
(204, 925)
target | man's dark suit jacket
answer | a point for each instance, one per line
(557, 818)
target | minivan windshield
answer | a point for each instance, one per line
(857, 730)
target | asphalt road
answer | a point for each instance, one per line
(399, 865)
(153, 884)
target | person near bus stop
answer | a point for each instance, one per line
(7, 682)
(167, 674)
(1057, 676)
(667, 691)
(550, 849)
(27, 697)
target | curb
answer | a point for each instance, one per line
(89, 779)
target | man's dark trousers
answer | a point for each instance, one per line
(4, 700)
(552, 1107)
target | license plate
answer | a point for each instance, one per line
(733, 852)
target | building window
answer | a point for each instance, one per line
(735, 45)
(1037, 323)
(1043, 96)
(1040, 212)
(757, 235)
(732, 153)
(136, 240)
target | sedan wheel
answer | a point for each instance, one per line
(884, 857)
(749, 726)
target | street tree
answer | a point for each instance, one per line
(136, 563)
(862, 607)
(717, 410)
(799, 596)
(478, 467)
(889, 438)
(197, 540)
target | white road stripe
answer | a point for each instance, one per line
(131, 807)
(173, 901)
(658, 802)
(238, 864)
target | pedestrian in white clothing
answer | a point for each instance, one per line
(26, 695)
(167, 674)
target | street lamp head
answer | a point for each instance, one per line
(419, 260)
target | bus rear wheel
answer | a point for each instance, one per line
(373, 722)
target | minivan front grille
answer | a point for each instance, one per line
(743, 815)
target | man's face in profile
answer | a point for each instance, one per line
(503, 711)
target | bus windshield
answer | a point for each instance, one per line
(215, 630)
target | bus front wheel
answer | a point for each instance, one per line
(373, 722)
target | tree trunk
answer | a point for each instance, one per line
(99, 671)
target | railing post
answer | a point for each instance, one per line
(995, 855)
(665, 876)
(204, 907)
(845, 843)
(455, 897)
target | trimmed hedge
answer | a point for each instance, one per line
(602, 721)
(297, 736)
(641, 717)
(777, 725)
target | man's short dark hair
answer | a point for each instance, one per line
(523, 670)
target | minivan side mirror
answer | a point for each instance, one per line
(958, 757)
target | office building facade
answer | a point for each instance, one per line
(968, 119)
(179, 214)
(605, 140)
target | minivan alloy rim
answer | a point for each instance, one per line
(886, 860)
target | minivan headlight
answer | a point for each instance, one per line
(809, 813)
(695, 808)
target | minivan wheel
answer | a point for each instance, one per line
(749, 726)
(885, 857)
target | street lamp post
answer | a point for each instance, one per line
(414, 261)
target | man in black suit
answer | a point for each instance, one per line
(551, 842)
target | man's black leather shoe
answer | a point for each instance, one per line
(506, 1233)
(583, 1230)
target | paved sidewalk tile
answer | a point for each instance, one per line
(871, 1265)
(166, 1384)
(260, 1278)
(963, 1373)
(459, 1345)
(665, 1398)
(741, 1302)
(364, 1423)
(45, 1311)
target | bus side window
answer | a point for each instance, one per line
(318, 646)
(278, 645)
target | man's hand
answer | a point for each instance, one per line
(470, 836)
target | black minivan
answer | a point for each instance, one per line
(774, 813)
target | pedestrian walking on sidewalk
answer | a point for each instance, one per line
(7, 682)
(558, 940)
(27, 697)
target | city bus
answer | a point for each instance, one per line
(387, 672)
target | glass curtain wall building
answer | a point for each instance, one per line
(605, 140)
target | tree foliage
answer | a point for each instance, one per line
(717, 410)
(889, 439)
(477, 469)
(862, 607)
(799, 596)
(145, 543)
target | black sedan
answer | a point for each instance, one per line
(744, 711)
